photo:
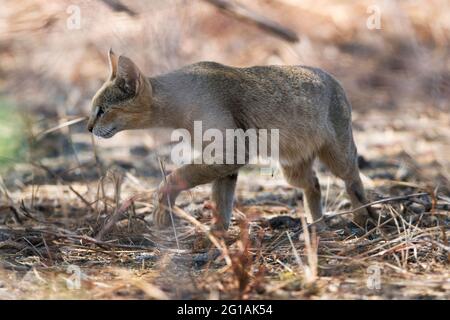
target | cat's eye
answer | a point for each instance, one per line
(99, 111)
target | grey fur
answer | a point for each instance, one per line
(307, 105)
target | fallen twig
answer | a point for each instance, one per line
(243, 13)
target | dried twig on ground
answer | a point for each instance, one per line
(116, 5)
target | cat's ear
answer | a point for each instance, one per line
(128, 75)
(113, 62)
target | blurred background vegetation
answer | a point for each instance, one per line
(12, 137)
(53, 59)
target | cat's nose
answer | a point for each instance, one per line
(90, 126)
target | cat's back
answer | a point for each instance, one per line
(257, 88)
(205, 71)
(203, 78)
(213, 70)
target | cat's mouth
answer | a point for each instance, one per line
(105, 133)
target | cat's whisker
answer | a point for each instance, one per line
(40, 135)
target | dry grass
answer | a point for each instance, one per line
(109, 236)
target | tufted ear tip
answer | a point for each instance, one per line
(113, 62)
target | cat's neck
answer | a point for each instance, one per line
(165, 111)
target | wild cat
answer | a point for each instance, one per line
(307, 105)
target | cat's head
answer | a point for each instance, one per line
(123, 100)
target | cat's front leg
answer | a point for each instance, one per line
(184, 178)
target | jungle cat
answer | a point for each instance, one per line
(307, 105)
